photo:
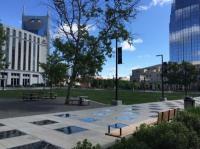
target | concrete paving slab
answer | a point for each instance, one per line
(126, 114)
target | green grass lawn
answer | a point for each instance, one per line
(104, 96)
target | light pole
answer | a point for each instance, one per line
(118, 61)
(162, 77)
(116, 73)
(185, 77)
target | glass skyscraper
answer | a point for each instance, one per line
(185, 31)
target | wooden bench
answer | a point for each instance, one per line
(121, 132)
(30, 96)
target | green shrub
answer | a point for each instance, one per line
(191, 119)
(86, 145)
(131, 143)
(181, 133)
(195, 111)
(164, 136)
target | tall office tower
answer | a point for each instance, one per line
(39, 25)
(185, 31)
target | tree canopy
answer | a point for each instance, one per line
(2, 40)
(54, 70)
(180, 74)
(86, 30)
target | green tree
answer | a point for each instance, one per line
(188, 75)
(180, 74)
(54, 70)
(171, 73)
(84, 50)
(2, 40)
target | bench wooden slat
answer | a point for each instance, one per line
(172, 114)
(165, 116)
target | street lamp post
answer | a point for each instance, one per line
(3, 76)
(185, 82)
(118, 61)
(116, 79)
(162, 76)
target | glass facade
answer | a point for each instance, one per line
(185, 31)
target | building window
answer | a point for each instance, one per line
(34, 50)
(35, 76)
(29, 56)
(26, 75)
(15, 74)
(7, 45)
(38, 54)
(13, 49)
(25, 38)
(26, 82)
(19, 51)
(15, 81)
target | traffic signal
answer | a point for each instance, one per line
(119, 55)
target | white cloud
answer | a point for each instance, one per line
(154, 3)
(137, 41)
(130, 47)
(75, 28)
(127, 47)
(66, 28)
(143, 8)
(160, 2)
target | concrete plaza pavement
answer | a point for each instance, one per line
(94, 122)
(17, 107)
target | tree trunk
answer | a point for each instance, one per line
(68, 92)
(69, 88)
(51, 88)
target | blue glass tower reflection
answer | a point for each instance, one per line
(185, 31)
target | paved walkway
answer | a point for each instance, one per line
(17, 107)
(91, 124)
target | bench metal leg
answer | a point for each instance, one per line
(108, 129)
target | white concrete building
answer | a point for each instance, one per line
(24, 51)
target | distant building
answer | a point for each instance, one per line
(150, 76)
(185, 31)
(24, 49)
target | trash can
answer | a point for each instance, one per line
(189, 102)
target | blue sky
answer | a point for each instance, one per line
(151, 29)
